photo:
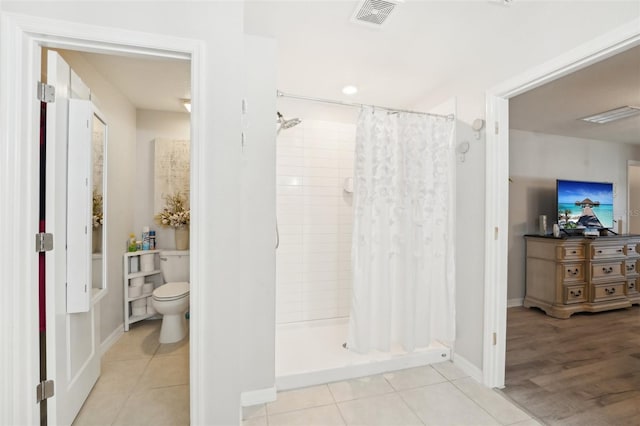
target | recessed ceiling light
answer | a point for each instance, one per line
(613, 115)
(349, 90)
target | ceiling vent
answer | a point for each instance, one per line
(612, 115)
(374, 13)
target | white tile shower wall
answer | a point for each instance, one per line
(313, 278)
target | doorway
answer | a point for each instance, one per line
(138, 140)
(497, 167)
(21, 124)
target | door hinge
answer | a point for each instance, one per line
(497, 127)
(46, 92)
(44, 390)
(44, 242)
(495, 339)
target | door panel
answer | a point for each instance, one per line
(72, 355)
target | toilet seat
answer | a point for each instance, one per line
(171, 291)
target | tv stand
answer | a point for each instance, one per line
(577, 274)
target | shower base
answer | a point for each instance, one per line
(311, 353)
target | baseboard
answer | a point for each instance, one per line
(111, 339)
(258, 396)
(512, 303)
(463, 364)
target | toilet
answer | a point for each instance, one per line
(171, 299)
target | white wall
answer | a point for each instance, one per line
(256, 323)
(151, 125)
(315, 217)
(536, 160)
(121, 145)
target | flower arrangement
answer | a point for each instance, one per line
(98, 217)
(174, 214)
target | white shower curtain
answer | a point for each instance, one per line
(402, 248)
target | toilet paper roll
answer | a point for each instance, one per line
(140, 303)
(147, 288)
(135, 291)
(137, 282)
(150, 308)
(146, 262)
(139, 311)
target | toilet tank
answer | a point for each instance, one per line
(174, 265)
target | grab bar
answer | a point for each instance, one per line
(277, 235)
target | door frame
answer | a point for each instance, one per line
(630, 164)
(21, 38)
(497, 177)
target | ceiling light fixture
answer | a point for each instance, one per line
(612, 115)
(186, 103)
(349, 90)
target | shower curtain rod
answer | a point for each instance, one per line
(280, 94)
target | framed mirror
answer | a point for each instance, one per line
(99, 135)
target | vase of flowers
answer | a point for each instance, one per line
(98, 219)
(177, 216)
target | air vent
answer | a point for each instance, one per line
(374, 12)
(613, 115)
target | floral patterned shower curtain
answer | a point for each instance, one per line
(403, 235)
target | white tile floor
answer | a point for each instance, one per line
(142, 382)
(439, 394)
(146, 383)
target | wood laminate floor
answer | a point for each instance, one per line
(584, 370)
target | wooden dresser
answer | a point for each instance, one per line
(577, 274)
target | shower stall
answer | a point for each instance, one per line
(314, 178)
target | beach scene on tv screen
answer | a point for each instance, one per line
(585, 204)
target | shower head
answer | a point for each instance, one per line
(287, 124)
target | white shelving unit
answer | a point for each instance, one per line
(129, 259)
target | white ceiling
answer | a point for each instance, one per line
(149, 83)
(556, 108)
(427, 52)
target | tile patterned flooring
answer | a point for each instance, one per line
(142, 382)
(146, 383)
(440, 394)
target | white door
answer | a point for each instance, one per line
(73, 359)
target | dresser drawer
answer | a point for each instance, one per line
(631, 250)
(605, 252)
(606, 271)
(573, 272)
(632, 287)
(608, 291)
(630, 267)
(575, 294)
(575, 252)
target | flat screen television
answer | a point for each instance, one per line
(583, 204)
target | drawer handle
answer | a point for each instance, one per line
(619, 250)
(574, 252)
(632, 285)
(610, 291)
(631, 267)
(573, 272)
(599, 252)
(607, 270)
(576, 293)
